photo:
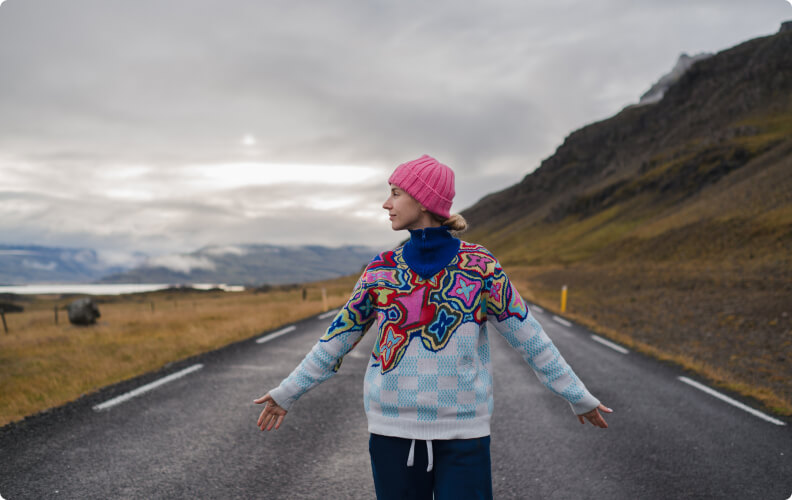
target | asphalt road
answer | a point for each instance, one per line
(196, 436)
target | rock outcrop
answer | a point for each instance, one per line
(83, 312)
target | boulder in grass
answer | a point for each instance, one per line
(83, 312)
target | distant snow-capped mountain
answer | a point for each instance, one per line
(234, 264)
(23, 264)
(249, 265)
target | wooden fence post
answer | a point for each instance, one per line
(2, 315)
(55, 308)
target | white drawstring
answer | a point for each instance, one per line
(429, 455)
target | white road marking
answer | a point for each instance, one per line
(608, 343)
(561, 320)
(145, 388)
(537, 308)
(731, 401)
(255, 367)
(274, 335)
(327, 314)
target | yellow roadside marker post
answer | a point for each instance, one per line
(324, 299)
(563, 298)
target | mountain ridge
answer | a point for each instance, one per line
(244, 264)
(668, 151)
(671, 223)
(250, 264)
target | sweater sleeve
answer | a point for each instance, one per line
(324, 360)
(511, 317)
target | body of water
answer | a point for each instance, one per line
(104, 288)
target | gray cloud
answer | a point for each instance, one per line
(111, 108)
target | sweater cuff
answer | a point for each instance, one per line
(280, 395)
(585, 404)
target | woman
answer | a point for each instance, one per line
(429, 377)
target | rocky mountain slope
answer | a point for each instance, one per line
(716, 147)
(671, 222)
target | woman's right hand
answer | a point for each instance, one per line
(272, 414)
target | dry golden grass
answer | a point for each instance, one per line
(43, 365)
(731, 326)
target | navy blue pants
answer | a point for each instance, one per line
(462, 469)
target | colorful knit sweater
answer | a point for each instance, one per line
(429, 375)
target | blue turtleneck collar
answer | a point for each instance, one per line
(429, 250)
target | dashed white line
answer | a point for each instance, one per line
(561, 320)
(263, 368)
(274, 335)
(731, 401)
(145, 388)
(537, 309)
(327, 314)
(608, 343)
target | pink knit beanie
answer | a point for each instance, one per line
(428, 181)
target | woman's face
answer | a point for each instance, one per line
(404, 211)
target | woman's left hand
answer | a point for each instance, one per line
(595, 417)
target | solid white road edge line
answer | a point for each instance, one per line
(608, 343)
(561, 320)
(145, 388)
(274, 335)
(537, 308)
(327, 314)
(727, 399)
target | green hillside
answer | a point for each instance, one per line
(671, 223)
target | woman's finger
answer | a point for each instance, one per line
(263, 399)
(266, 415)
(262, 417)
(271, 422)
(264, 423)
(598, 421)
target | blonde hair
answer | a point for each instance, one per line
(455, 223)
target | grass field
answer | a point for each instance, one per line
(43, 365)
(729, 324)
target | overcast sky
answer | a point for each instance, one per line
(165, 125)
